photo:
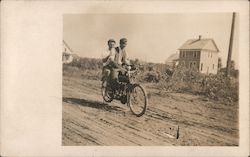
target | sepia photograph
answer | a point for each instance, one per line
(124, 78)
(166, 79)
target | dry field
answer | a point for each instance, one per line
(87, 120)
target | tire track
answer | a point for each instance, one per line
(89, 121)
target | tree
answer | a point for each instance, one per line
(232, 65)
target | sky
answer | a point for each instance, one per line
(151, 37)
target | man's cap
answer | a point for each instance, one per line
(111, 40)
(123, 40)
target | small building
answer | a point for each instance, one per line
(200, 54)
(172, 60)
(67, 56)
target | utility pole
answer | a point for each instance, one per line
(230, 47)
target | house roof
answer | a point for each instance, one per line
(69, 50)
(200, 44)
(172, 57)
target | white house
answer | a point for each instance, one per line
(201, 54)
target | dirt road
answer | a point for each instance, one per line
(89, 121)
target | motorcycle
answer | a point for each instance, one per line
(124, 89)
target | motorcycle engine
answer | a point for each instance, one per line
(123, 99)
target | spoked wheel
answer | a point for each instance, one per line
(107, 94)
(137, 100)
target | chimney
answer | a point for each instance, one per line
(199, 37)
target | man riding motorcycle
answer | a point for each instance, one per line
(116, 66)
(120, 60)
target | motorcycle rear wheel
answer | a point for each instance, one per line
(107, 93)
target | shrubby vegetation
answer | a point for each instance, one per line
(86, 63)
(217, 87)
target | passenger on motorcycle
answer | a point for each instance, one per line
(108, 58)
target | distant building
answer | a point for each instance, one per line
(172, 60)
(200, 54)
(67, 56)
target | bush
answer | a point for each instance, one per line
(217, 87)
(220, 87)
(87, 63)
(152, 76)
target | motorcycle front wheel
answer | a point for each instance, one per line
(137, 100)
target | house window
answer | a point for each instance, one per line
(201, 66)
(190, 64)
(213, 66)
(194, 53)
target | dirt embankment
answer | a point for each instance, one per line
(89, 121)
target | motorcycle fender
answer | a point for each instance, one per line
(130, 87)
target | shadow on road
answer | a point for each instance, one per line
(92, 104)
